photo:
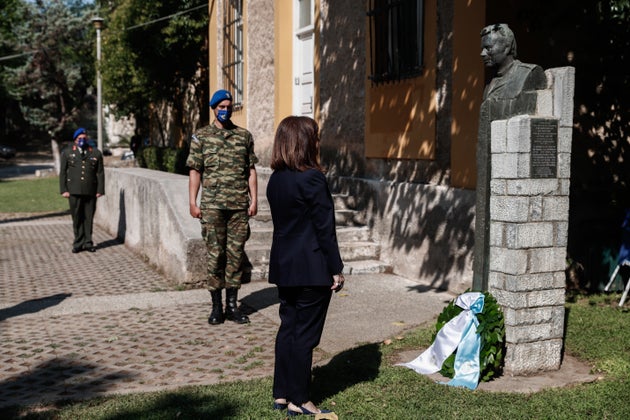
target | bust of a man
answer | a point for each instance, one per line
(498, 51)
(509, 93)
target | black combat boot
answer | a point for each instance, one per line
(216, 316)
(231, 307)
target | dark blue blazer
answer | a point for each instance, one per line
(304, 251)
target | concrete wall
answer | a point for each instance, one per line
(261, 73)
(148, 210)
(426, 232)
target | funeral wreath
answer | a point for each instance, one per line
(491, 330)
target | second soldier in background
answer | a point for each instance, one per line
(82, 181)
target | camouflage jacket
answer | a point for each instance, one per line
(224, 158)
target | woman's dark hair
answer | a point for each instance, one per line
(296, 145)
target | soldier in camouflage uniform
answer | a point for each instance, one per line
(221, 162)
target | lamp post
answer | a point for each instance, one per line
(98, 24)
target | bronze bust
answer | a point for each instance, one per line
(511, 92)
(498, 51)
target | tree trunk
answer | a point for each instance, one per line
(56, 155)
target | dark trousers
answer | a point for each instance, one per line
(302, 316)
(82, 208)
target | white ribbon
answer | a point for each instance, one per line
(460, 331)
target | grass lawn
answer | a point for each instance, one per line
(362, 383)
(38, 195)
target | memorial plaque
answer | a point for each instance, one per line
(544, 152)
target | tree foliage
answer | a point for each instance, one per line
(9, 16)
(154, 53)
(52, 81)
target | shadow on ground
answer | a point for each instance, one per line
(57, 380)
(260, 299)
(32, 306)
(348, 368)
(26, 217)
(110, 243)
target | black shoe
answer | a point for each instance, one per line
(236, 316)
(216, 315)
(76, 250)
(280, 406)
(232, 312)
(91, 248)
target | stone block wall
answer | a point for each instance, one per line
(528, 216)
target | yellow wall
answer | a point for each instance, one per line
(468, 81)
(400, 116)
(283, 33)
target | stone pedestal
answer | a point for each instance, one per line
(528, 222)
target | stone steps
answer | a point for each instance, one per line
(260, 272)
(350, 251)
(360, 254)
(263, 234)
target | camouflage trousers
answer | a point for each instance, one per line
(225, 233)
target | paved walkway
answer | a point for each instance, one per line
(76, 326)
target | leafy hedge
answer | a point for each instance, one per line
(492, 331)
(163, 159)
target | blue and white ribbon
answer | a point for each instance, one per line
(459, 333)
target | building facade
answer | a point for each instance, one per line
(396, 90)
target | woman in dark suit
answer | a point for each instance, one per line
(305, 263)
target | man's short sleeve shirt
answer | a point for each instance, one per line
(224, 158)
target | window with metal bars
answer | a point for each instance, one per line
(396, 39)
(233, 50)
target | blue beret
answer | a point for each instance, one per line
(218, 97)
(78, 133)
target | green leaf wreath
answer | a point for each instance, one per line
(492, 332)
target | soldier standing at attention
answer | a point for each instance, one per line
(221, 161)
(82, 181)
